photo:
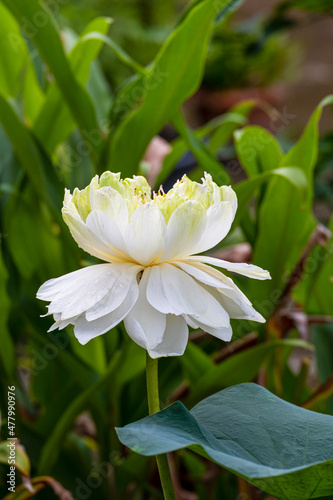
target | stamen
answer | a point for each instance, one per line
(161, 191)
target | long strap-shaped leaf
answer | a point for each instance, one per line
(174, 76)
(7, 353)
(202, 154)
(53, 444)
(14, 55)
(40, 27)
(55, 122)
(26, 149)
(219, 130)
(285, 220)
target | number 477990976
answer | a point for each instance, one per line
(11, 411)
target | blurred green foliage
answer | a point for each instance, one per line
(65, 116)
(237, 58)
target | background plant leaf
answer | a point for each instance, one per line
(55, 122)
(14, 54)
(282, 214)
(165, 88)
(40, 26)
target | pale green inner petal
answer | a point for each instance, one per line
(171, 233)
(136, 191)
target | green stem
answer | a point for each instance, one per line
(154, 407)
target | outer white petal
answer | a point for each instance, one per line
(236, 304)
(215, 316)
(237, 308)
(249, 270)
(144, 324)
(184, 230)
(59, 324)
(76, 292)
(124, 277)
(85, 238)
(174, 339)
(86, 330)
(221, 333)
(190, 322)
(232, 299)
(171, 290)
(106, 230)
(145, 234)
(201, 273)
(155, 292)
(220, 216)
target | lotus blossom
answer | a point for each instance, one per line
(152, 277)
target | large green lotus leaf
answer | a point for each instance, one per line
(284, 450)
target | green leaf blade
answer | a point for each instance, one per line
(40, 26)
(282, 215)
(174, 76)
(39, 169)
(14, 54)
(55, 123)
(283, 449)
(257, 150)
(7, 354)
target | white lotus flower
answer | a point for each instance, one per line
(152, 278)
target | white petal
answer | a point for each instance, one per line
(171, 290)
(184, 230)
(109, 233)
(145, 234)
(232, 298)
(59, 324)
(111, 203)
(144, 324)
(221, 333)
(201, 274)
(174, 339)
(238, 310)
(236, 304)
(86, 330)
(123, 280)
(155, 292)
(215, 316)
(190, 322)
(85, 238)
(76, 292)
(220, 216)
(228, 194)
(249, 270)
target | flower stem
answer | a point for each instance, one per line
(154, 407)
